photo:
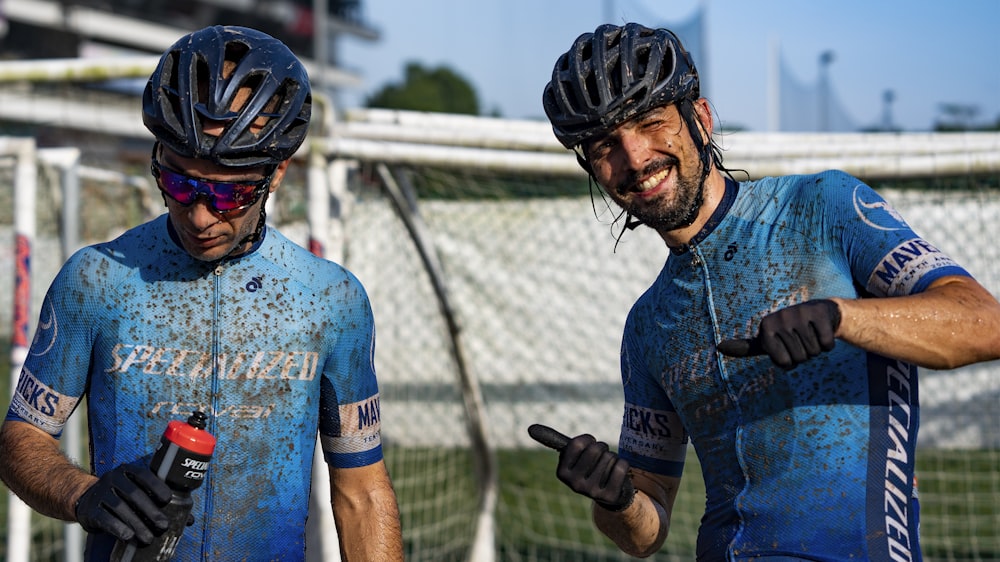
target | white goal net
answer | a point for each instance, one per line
(500, 289)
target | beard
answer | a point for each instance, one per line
(670, 211)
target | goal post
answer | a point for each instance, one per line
(541, 288)
(24, 196)
(485, 232)
(404, 199)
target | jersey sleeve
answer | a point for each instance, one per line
(54, 376)
(350, 413)
(887, 258)
(652, 435)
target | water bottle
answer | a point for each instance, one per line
(181, 460)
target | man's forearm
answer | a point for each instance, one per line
(954, 323)
(367, 514)
(34, 468)
(639, 530)
(371, 530)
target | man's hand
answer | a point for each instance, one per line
(125, 503)
(791, 335)
(589, 468)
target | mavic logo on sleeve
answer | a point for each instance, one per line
(901, 269)
(369, 414)
(40, 405)
(360, 428)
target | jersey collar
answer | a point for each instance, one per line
(728, 198)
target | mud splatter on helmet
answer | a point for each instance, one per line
(193, 85)
(609, 76)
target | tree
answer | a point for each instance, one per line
(438, 89)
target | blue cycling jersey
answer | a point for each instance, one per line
(814, 463)
(274, 345)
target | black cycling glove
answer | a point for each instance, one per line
(589, 468)
(125, 503)
(791, 335)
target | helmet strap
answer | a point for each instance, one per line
(583, 161)
(258, 230)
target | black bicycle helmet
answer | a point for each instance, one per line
(189, 87)
(612, 75)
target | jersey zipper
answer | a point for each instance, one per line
(214, 405)
(698, 260)
(216, 336)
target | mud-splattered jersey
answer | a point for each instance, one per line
(274, 346)
(814, 463)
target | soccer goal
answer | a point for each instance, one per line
(538, 279)
(500, 282)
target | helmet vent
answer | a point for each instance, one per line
(236, 51)
(592, 89)
(201, 80)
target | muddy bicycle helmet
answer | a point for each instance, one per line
(609, 76)
(192, 85)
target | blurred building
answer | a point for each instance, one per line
(72, 28)
(796, 105)
(81, 39)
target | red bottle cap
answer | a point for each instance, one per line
(190, 438)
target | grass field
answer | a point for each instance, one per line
(959, 494)
(539, 519)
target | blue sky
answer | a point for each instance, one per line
(926, 52)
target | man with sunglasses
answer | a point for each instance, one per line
(781, 338)
(207, 308)
(211, 218)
